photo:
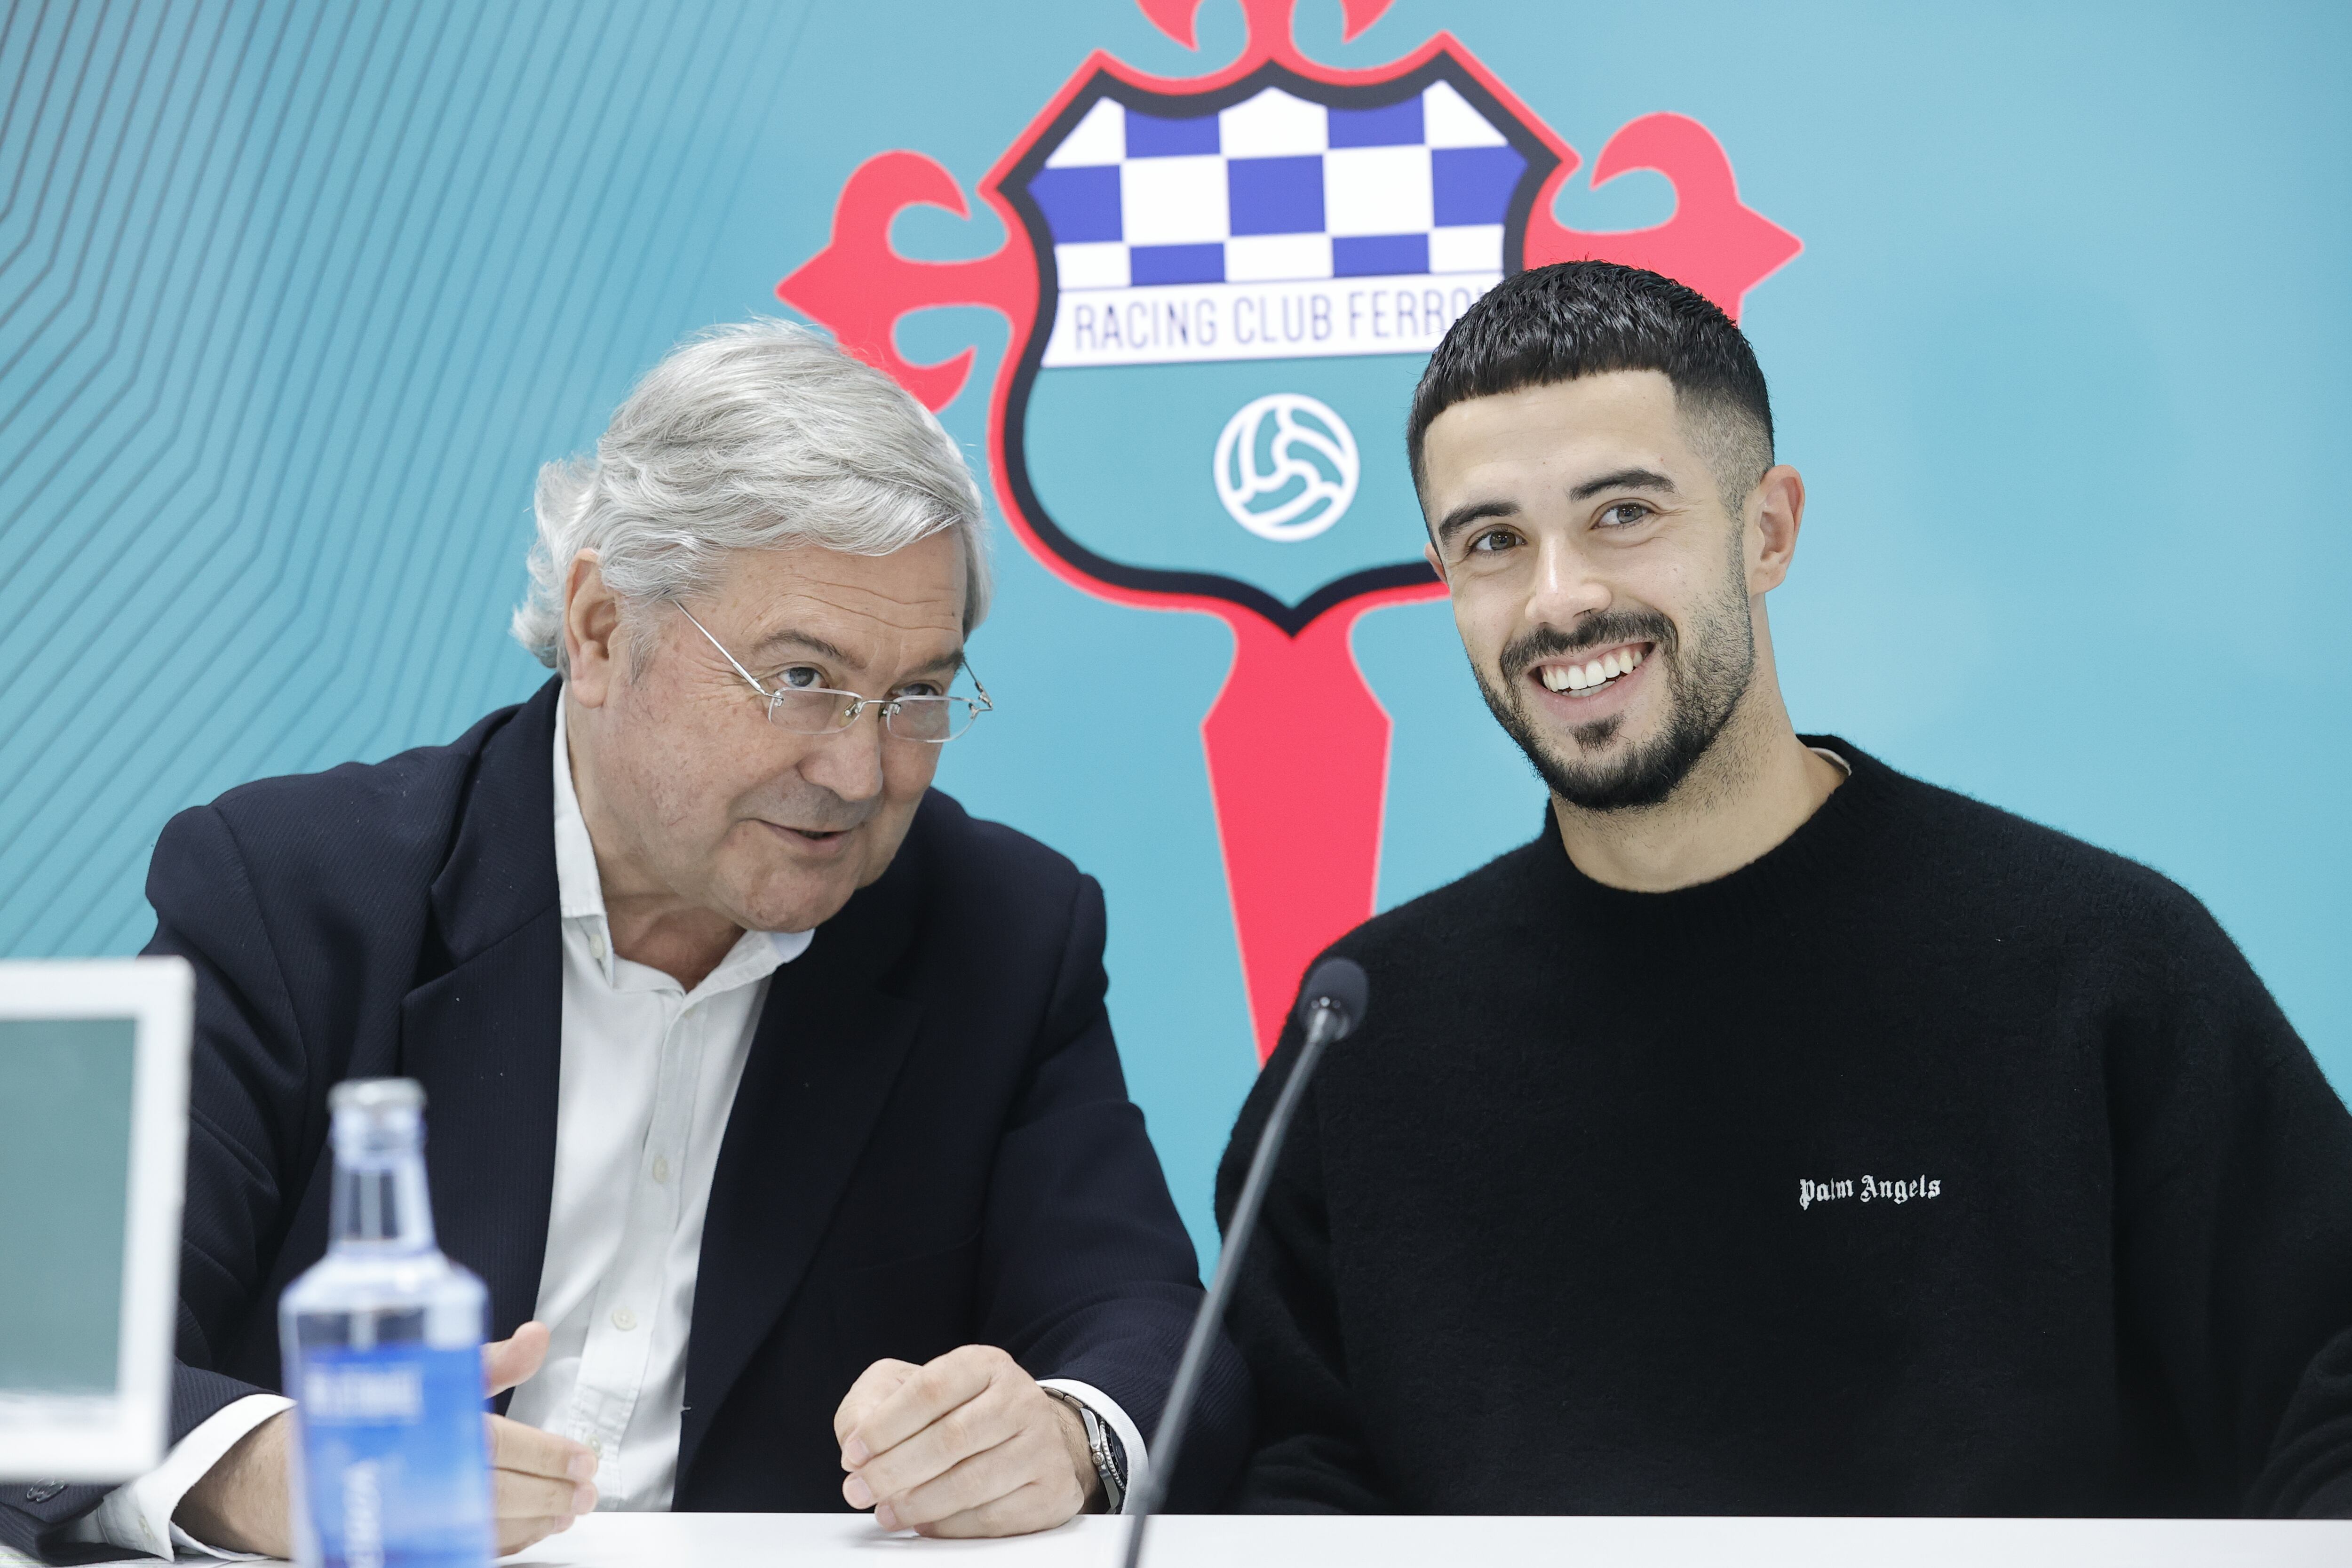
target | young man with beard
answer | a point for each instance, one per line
(1774, 1132)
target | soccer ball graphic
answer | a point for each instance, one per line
(1286, 466)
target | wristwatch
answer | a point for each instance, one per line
(1104, 1447)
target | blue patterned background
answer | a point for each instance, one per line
(295, 298)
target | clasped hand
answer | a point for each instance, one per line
(966, 1445)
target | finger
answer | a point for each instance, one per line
(515, 1447)
(873, 1386)
(1028, 1458)
(1031, 1508)
(974, 1426)
(517, 1495)
(930, 1392)
(514, 1534)
(515, 1358)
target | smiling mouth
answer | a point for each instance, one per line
(1593, 675)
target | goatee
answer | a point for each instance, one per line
(1704, 682)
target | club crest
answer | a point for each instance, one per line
(1278, 242)
(1221, 290)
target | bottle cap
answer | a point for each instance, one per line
(376, 1094)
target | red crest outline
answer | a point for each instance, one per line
(1299, 789)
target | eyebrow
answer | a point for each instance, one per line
(1624, 479)
(769, 647)
(1462, 516)
(775, 642)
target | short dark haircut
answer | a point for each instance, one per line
(1551, 325)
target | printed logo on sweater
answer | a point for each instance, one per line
(1883, 1190)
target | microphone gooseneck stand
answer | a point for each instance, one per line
(1330, 1005)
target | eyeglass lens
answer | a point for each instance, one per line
(820, 712)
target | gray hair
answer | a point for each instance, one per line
(750, 437)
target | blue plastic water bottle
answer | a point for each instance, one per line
(383, 1342)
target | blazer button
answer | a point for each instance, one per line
(42, 1492)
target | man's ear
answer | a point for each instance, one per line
(592, 632)
(1436, 562)
(1776, 511)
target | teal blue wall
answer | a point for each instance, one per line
(294, 299)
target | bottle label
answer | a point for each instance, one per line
(394, 1459)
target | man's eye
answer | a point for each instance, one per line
(923, 689)
(1493, 540)
(1625, 514)
(800, 676)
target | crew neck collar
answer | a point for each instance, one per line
(1825, 842)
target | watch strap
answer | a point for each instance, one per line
(1103, 1447)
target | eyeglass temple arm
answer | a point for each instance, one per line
(748, 678)
(977, 684)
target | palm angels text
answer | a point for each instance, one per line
(1810, 1193)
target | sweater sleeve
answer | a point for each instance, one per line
(1309, 1453)
(2233, 1228)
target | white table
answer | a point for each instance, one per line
(807, 1539)
(812, 1540)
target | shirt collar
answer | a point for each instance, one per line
(579, 890)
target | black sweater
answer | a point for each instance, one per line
(1936, 1162)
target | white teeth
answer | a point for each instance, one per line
(1598, 672)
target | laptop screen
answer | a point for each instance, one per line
(66, 1096)
(93, 1145)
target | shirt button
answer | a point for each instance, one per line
(596, 945)
(623, 1319)
(661, 1169)
(596, 1447)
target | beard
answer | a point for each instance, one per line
(1706, 675)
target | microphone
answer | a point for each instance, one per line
(1331, 1004)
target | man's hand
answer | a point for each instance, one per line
(539, 1481)
(968, 1444)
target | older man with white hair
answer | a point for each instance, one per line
(772, 1096)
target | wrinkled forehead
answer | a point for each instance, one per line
(907, 605)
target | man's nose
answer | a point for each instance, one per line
(1565, 585)
(849, 761)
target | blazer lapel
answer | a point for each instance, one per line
(485, 1036)
(828, 1048)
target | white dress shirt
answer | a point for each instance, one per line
(648, 1075)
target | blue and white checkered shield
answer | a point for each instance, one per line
(1244, 287)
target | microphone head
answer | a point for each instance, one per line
(1339, 983)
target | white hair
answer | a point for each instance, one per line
(748, 436)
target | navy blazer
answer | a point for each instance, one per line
(932, 1145)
